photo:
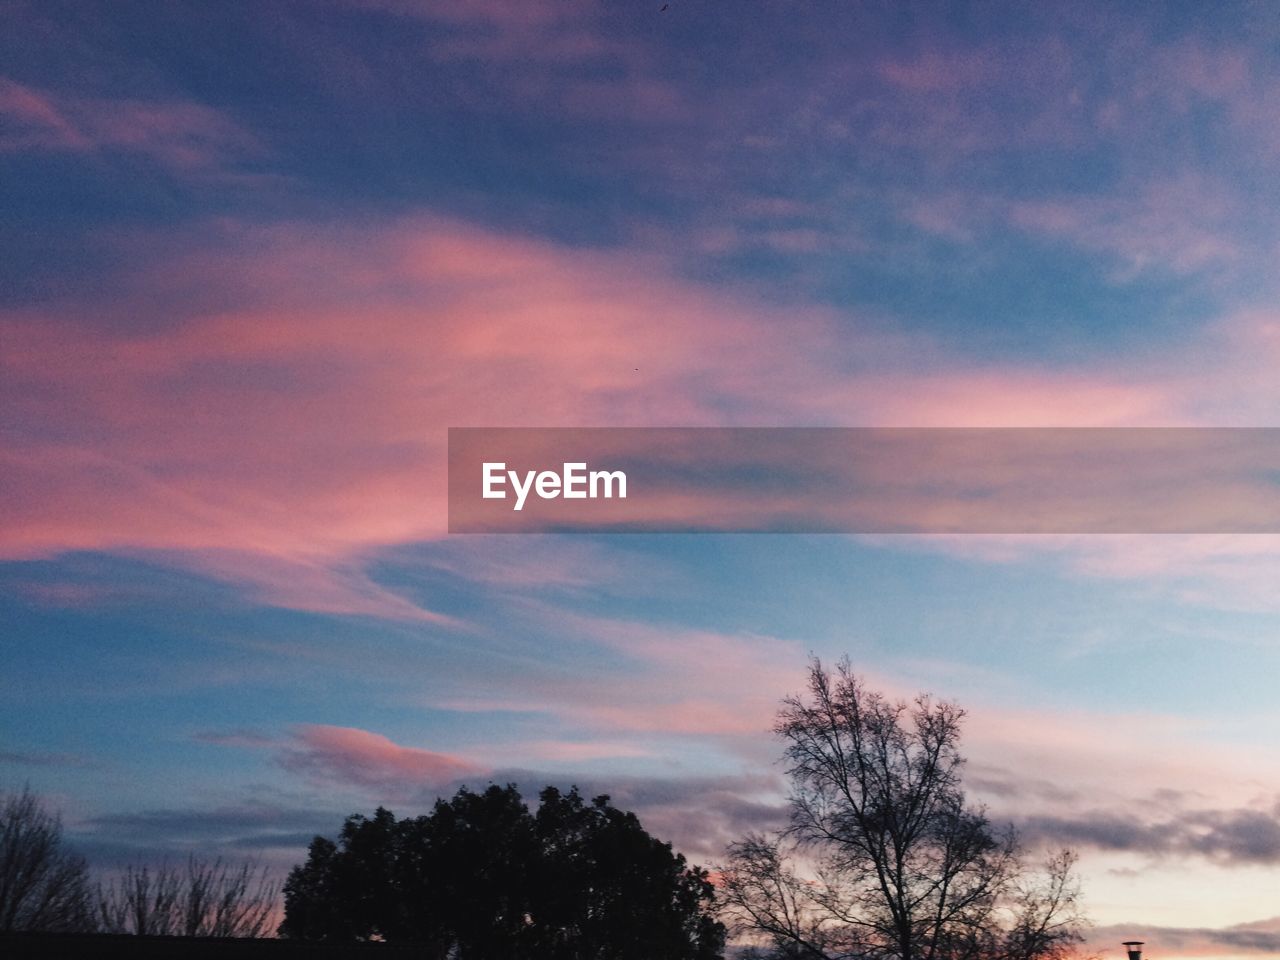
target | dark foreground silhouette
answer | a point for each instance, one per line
(106, 946)
(484, 877)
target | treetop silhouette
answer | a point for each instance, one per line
(481, 876)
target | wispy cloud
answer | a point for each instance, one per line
(1236, 837)
(349, 755)
(269, 832)
(300, 440)
(182, 136)
(30, 758)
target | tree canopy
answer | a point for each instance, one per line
(481, 876)
(884, 857)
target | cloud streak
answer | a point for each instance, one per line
(181, 136)
(1232, 837)
(329, 754)
(301, 440)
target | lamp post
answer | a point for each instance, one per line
(1135, 949)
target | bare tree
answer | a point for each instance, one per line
(42, 885)
(226, 901)
(141, 901)
(204, 899)
(883, 858)
(1047, 919)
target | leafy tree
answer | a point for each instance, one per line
(605, 888)
(483, 877)
(884, 858)
(42, 885)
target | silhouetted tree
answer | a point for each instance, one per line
(883, 858)
(482, 877)
(204, 899)
(42, 885)
(604, 888)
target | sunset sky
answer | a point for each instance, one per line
(259, 256)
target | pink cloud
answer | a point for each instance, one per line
(1224, 571)
(305, 423)
(286, 418)
(181, 135)
(1120, 757)
(35, 121)
(306, 583)
(671, 682)
(348, 755)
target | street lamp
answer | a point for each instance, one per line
(1135, 949)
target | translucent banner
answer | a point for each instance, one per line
(864, 480)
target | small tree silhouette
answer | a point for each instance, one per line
(42, 885)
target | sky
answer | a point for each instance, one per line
(259, 257)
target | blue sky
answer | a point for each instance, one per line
(259, 257)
